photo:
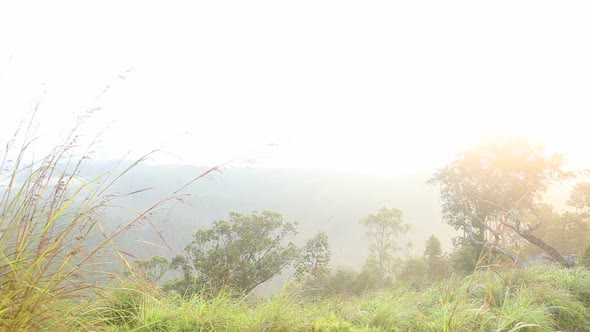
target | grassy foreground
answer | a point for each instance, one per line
(535, 299)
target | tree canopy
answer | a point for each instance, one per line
(314, 258)
(580, 197)
(489, 189)
(153, 269)
(241, 252)
(382, 227)
(433, 248)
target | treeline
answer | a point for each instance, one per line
(492, 194)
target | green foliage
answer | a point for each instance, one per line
(314, 259)
(438, 265)
(382, 228)
(342, 282)
(433, 248)
(372, 278)
(240, 253)
(346, 282)
(151, 270)
(580, 197)
(188, 284)
(568, 232)
(123, 306)
(413, 271)
(464, 257)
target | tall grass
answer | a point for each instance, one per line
(48, 212)
(507, 299)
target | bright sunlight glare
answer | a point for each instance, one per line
(379, 88)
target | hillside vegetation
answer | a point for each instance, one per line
(63, 266)
(532, 299)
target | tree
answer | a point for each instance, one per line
(566, 231)
(189, 284)
(314, 259)
(382, 228)
(371, 278)
(490, 188)
(580, 197)
(344, 281)
(465, 256)
(153, 269)
(433, 248)
(437, 264)
(241, 252)
(413, 270)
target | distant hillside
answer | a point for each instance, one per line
(319, 200)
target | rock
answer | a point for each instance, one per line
(544, 259)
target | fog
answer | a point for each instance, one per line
(327, 111)
(382, 88)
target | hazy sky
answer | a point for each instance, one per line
(389, 87)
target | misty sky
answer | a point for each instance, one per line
(381, 87)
